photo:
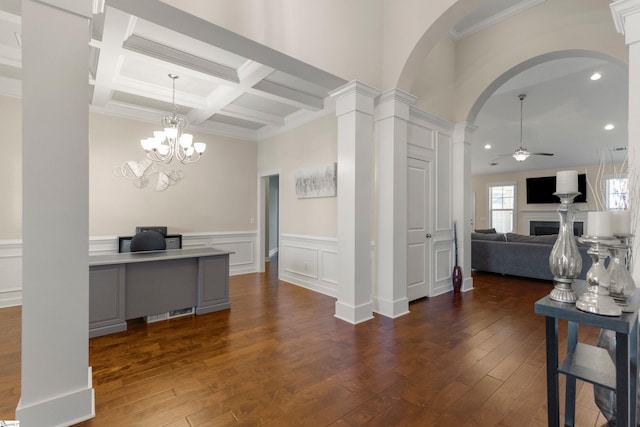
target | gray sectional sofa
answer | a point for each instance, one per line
(517, 254)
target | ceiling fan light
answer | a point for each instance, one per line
(521, 155)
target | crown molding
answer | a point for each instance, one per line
(621, 10)
(494, 19)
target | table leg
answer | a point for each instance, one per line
(623, 397)
(633, 373)
(553, 393)
(570, 388)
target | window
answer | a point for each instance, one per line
(617, 193)
(502, 203)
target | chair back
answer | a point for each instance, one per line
(148, 241)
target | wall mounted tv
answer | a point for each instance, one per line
(541, 189)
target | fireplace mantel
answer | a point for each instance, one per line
(549, 215)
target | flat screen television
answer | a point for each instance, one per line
(541, 189)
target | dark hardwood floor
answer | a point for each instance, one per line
(280, 358)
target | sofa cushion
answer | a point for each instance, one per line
(486, 231)
(495, 237)
(521, 238)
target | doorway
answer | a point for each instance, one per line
(268, 220)
(419, 207)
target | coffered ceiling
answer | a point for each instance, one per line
(219, 90)
(229, 85)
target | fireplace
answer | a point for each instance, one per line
(540, 228)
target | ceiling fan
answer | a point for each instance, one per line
(522, 154)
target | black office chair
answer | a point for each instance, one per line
(148, 241)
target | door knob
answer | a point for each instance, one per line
(428, 236)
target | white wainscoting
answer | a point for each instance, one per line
(10, 272)
(242, 243)
(443, 267)
(310, 262)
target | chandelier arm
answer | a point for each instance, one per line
(169, 140)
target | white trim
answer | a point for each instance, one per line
(310, 262)
(494, 19)
(514, 225)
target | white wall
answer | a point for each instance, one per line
(435, 84)
(309, 145)
(341, 37)
(217, 194)
(11, 168)
(551, 26)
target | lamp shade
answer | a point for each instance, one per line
(186, 139)
(200, 147)
(171, 133)
(520, 156)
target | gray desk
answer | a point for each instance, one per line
(129, 285)
(589, 363)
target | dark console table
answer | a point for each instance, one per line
(130, 285)
(589, 363)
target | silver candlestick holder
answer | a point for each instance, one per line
(565, 261)
(621, 283)
(597, 299)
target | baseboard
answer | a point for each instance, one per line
(354, 314)
(63, 410)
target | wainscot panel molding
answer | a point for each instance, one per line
(444, 259)
(242, 243)
(310, 262)
(11, 273)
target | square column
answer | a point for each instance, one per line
(462, 203)
(391, 119)
(354, 110)
(626, 15)
(56, 381)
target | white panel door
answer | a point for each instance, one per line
(419, 251)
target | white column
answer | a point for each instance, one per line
(391, 134)
(462, 200)
(56, 380)
(354, 109)
(626, 14)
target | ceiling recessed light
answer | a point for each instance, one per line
(596, 76)
(609, 127)
(487, 146)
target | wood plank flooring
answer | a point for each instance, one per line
(280, 358)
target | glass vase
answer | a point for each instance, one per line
(621, 284)
(565, 261)
(597, 299)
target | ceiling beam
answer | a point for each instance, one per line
(182, 22)
(117, 28)
(165, 53)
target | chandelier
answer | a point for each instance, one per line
(166, 144)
